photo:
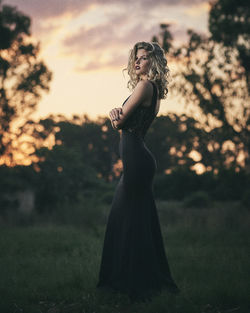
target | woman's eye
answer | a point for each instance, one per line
(144, 58)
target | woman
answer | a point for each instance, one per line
(133, 257)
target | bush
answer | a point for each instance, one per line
(230, 185)
(199, 199)
(13, 180)
(245, 201)
(176, 185)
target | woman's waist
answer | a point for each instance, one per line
(131, 143)
(132, 135)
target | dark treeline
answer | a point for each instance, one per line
(83, 163)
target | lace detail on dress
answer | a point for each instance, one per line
(140, 120)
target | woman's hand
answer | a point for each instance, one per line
(115, 116)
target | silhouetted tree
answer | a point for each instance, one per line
(23, 78)
(164, 38)
(212, 82)
(62, 177)
(94, 141)
(229, 24)
(176, 138)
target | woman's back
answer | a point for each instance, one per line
(148, 102)
(141, 119)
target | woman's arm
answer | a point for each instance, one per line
(140, 94)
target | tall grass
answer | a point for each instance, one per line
(53, 267)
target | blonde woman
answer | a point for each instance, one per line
(133, 256)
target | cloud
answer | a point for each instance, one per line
(198, 10)
(117, 61)
(97, 37)
(55, 8)
(106, 43)
(52, 8)
(99, 33)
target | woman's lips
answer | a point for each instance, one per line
(137, 67)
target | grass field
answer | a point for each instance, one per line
(54, 268)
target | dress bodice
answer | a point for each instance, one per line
(142, 117)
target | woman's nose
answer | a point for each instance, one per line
(138, 60)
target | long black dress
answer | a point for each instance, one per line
(133, 257)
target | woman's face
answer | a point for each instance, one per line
(142, 63)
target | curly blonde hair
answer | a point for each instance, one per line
(158, 72)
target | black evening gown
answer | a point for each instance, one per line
(133, 256)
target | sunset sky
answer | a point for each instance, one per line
(86, 43)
